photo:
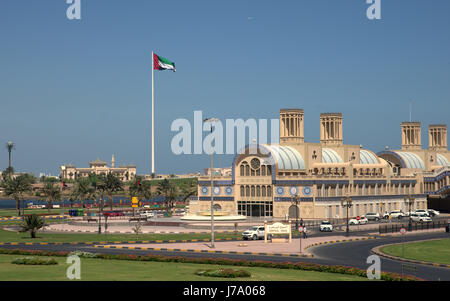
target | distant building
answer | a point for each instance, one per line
(99, 167)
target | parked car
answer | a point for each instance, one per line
(147, 214)
(358, 221)
(420, 218)
(113, 213)
(256, 232)
(422, 211)
(372, 216)
(394, 214)
(326, 226)
(433, 212)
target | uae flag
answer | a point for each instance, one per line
(160, 63)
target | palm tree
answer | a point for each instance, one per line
(111, 184)
(17, 188)
(10, 146)
(50, 193)
(169, 191)
(32, 223)
(82, 189)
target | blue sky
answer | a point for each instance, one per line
(74, 91)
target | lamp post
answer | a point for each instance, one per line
(347, 203)
(295, 200)
(409, 201)
(211, 121)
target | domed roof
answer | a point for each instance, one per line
(330, 156)
(367, 157)
(286, 157)
(442, 161)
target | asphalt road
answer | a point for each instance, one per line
(352, 254)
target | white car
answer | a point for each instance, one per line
(433, 212)
(422, 211)
(256, 232)
(326, 226)
(397, 214)
(361, 221)
(147, 214)
(372, 216)
(420, 218)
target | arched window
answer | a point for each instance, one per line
(247, 190)
(263, 190)
(247, 170)
(253, 190)
(242, 170)
(258, 190)
(269, 191)
(263, 170)
(269, 170)
(242, 191)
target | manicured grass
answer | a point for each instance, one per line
(47, 221)
(433, 251)
(109, 270)
(13, 212)
(9, 236)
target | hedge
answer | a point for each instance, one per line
(387, 276)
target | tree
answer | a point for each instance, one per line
(82, 189)
(50, 193)
(17, 188)
(169, 191)
(140, 189)
(31, 224)
(10, 146)
(111, 184)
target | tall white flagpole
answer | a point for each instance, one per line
(153, 115)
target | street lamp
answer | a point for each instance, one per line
(347, 203)
(296, 200)
(409, 201)
(211, 121)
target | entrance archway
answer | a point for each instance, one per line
(294, 212)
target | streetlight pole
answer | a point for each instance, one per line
(211, 120)
(347, 203)
(409, 201)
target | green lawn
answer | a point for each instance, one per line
(13, 212)
(433, 251)
(110, 270)
(9, 236)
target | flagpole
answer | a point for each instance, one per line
(153, 115)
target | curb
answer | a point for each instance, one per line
(205, 251)
(113, 242)
(377, 251)
(339, 241)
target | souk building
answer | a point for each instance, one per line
(99, 167)
(310, 179)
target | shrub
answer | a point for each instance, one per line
(224, 273)
(34, 261)
(83, 254)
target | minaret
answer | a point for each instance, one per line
(411, 136)
(113, 162)
(331, 128)
(291, 126)
(437, 137)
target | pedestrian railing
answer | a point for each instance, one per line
(395, 227)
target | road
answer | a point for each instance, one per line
(352, 254)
